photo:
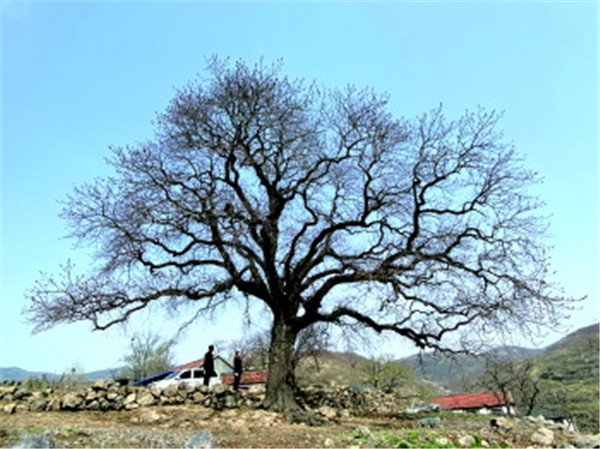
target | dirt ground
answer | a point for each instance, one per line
(173, 426)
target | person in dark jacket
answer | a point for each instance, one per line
(209, 365)
(237, 370)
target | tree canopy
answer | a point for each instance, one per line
(319, 204)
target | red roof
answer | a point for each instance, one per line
(473, 400)
(247, 378)
(194, 364)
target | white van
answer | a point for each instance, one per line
(194, 376)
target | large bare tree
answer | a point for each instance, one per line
(318, 203)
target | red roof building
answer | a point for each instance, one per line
(247, 378)
(474, 401)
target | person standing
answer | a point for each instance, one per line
(237, 370)
(209, 365)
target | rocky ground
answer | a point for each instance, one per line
(349, 420)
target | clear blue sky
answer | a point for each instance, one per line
(80, 76)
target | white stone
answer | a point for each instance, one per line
(543, 437)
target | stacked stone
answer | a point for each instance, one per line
(356, 402)
(108, 396)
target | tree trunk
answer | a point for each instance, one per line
(281, 385)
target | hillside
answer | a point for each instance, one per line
(565, 375)
(569, 378)
(328, 368)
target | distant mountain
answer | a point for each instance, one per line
(452, 369)
(14, 373)
(103, 374)
(19, 374)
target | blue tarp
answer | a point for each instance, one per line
(154, 378)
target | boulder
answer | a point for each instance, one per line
(156, 392)
(72, 401)
(4, 391)
(230, 402)
(21, 394)
(201, 440)
(93, 395)
(145, 398)
(536, 420)
(130, 402)
(93, 406)
(257, 389)
(327, 412)
(543, 437)
(328, 443)
(36, 441)
(220, 389)
(37, 405)
(430, 422)
(113, 395)
(54, 404)
(197, 398)
(170, 391)
(10, 408)
(466, 441)
(150, 416)
(130, 399)
(501, 424)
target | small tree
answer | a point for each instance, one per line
(516, 379)
(320, 206)
(386, 374)
(148, 355)
(311, 342)
(255, 349)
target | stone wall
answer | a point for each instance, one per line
(356, 402)
(108, 396)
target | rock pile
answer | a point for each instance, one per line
(351, 400)
(547, 433)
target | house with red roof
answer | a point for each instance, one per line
(486, 403)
